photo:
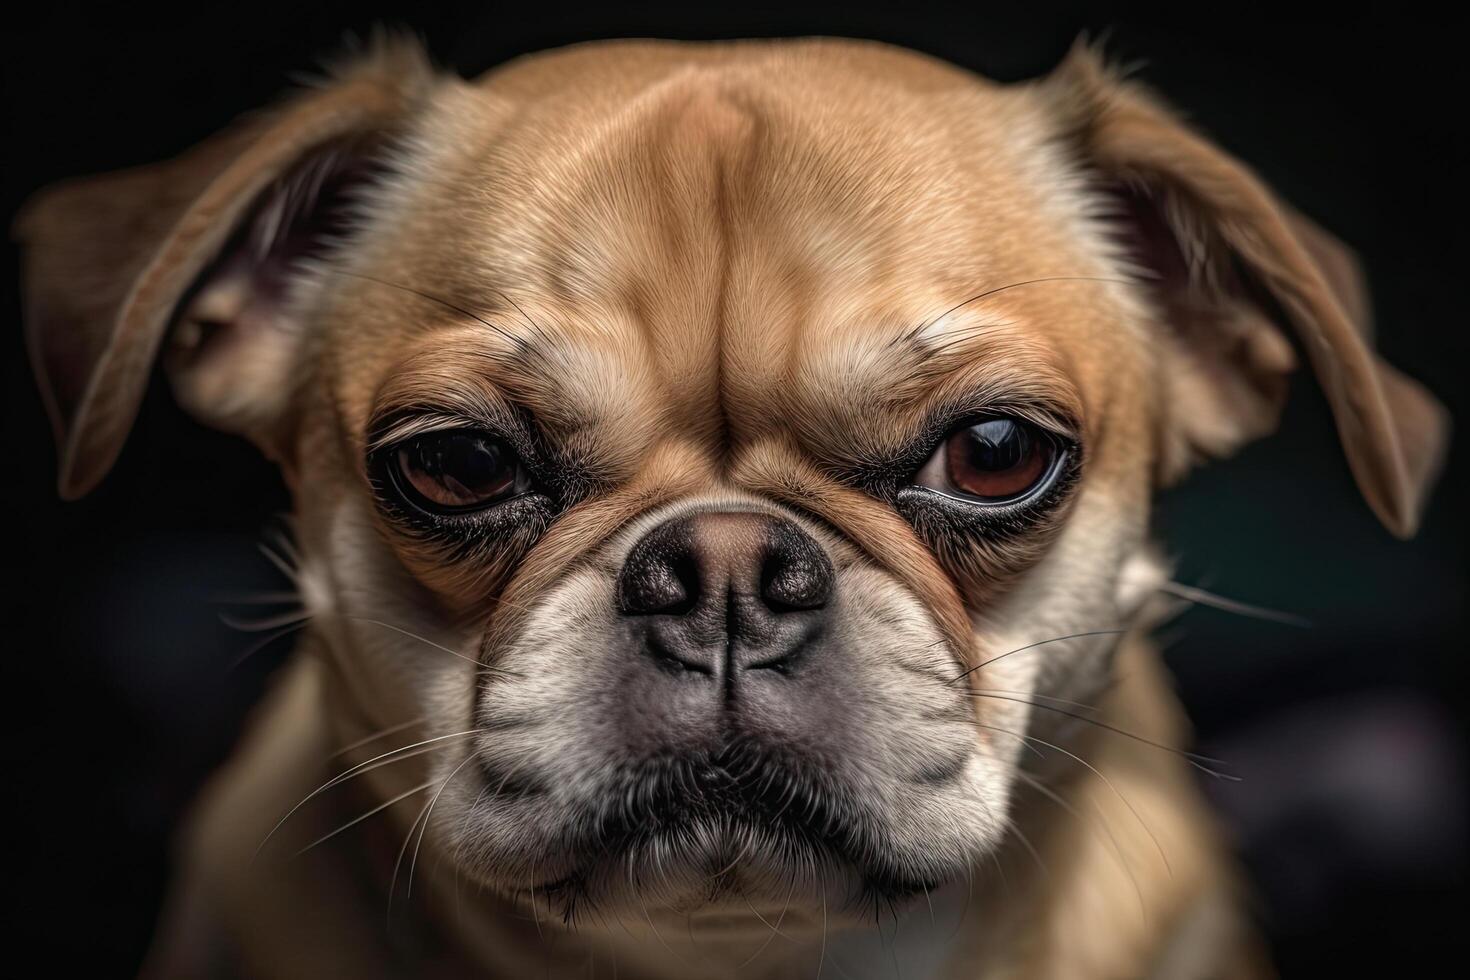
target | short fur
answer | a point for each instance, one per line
(739, 276)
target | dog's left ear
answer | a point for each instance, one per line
(202, 256)
(1230, 266)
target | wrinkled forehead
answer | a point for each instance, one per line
(715, 257)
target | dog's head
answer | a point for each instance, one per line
(712, 451)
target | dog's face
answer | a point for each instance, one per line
(714, 452)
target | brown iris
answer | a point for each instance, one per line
(458, 470)
(997, 459)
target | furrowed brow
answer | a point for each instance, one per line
(467, 378)
(864, 404)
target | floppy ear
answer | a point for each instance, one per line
(214, 245)
(1230, 266)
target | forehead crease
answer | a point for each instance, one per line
(717, 235)
(848, 235)
(622, 227)
(620, 204)
(603, 254)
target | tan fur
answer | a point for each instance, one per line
(717, 277)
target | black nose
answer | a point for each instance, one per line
(721, 592)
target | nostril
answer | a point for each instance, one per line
(796, 574)
(653, 584)
(793, 587)
(660, 574)
(700, 559)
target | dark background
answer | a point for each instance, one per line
(119, 686)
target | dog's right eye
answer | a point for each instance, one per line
(457, 470)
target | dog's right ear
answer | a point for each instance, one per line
(207, 251)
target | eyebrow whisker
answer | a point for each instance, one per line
(914, 334)
(958, 339)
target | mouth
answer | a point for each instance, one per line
(729, 826)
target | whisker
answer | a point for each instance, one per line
(647, 917)
(288, 547)
(1102, 820)
(959, 922)
(360, 767)
(1192, 758)
(464, 822)
(1004, 880)
(1195, 594)
(960, 338)
(1045, 697)
(436, 646)
(1032, 646)
(1035, 856)
(469, 757)
(371, 766)
(256, 598)
(267, 641)
(381, 733)
(775, 929)
(262, 625)
(1116, 792)
(458, 856)
(990, 817)
(1021, 738)
(536, 912)
(373, 595)
(398, 863)
(822, 888)
(357, 820)
(744, 849)
(282, 565)
(524, 315)
(918, 330)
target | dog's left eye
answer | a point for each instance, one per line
(458, 470)
(998, 460)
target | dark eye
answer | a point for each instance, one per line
(991, 461)
(457, 470)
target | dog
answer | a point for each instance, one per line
(721, 480)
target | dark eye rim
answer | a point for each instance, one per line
(387, 473)
(1060, 468)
